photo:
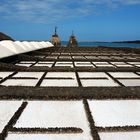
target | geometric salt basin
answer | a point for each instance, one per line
(20, 82)
(91, 74)
(127, 82)
(27, 62)
(60, 79)
(124, 65)
(24, 82)
(45, 114)
(105, 65)
(93, 79)
(4, 74)
(130, 82)
(83, 64)
(120, 136)
(29, 74)
(115, 112)
(118, 63)
(25, 65)
(47, 137)
(44, 64)
(63, 64)
(7, 110)
(124, 75)
(101, 63)
(134, 63)
(98, 83)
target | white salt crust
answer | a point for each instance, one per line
(109, 113)
(83, 64)
(96, 82)
(47, 137)
(69, 57)
(20, 82)
(78, 57)
(60, 82)
(91, 74)
(46, 62)
(69, 64)
(63, 62)
(124, 65)
(101, 63)
(25, 65)
(130, 82)
(124, 75)
(91, 57)
(43, 65)
(135, 63)
(5, 74)
(29, 74)
(7, 110)
(27, 62)
(119, 63)
(120, 136)
(10, 48)
(24, 82)
(105, 65)
(58, 114)
(53, 57)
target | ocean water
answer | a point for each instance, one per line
(109, 44)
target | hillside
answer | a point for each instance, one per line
(4, 37)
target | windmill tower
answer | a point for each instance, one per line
(55, 39)
(72, 41)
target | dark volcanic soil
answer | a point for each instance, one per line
(4, 37)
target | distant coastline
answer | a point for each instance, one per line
(135, 41)
(122, 44)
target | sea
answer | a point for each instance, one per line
(108, 44)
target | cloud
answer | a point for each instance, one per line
(48, 11)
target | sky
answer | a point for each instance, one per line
(91, 20)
